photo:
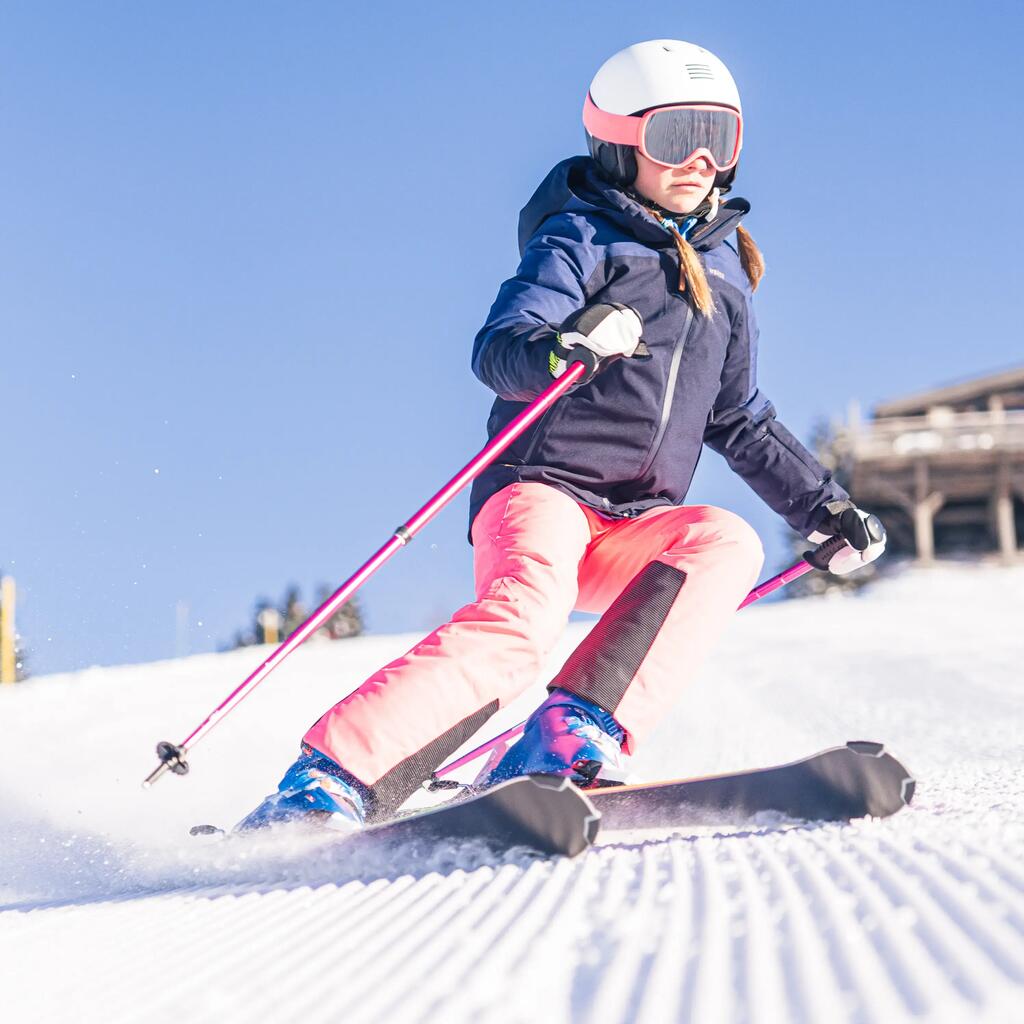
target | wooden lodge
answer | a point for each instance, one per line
(945, 468)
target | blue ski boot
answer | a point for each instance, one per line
(314, 790)
(567, 735)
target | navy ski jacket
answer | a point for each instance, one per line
(630, 439)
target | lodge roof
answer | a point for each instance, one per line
(952, 394)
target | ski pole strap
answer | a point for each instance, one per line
(822, 554)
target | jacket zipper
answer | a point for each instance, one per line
(666, 405)
(541, 429)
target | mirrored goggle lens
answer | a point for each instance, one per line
(672, 136)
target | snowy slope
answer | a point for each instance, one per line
(109, 911)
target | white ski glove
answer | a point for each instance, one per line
(864, 535)
(596, 336)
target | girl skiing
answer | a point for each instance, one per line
(628, 266)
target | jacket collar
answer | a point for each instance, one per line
(576, 186)
(707, 235)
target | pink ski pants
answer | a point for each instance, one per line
(538, 554)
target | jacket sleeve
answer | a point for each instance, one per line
(510, 353)
(743, 428)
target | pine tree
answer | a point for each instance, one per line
(292, 613)
(347, 621)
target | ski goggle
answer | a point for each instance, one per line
(672, 136)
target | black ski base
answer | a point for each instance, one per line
(839, 784)
(541, 812)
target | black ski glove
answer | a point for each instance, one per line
(596, 336)
(863, 532)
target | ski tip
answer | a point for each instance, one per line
(558, 783)
(205, 830)
(869, 748)
(898, 772)
(591, 816)
(908, 786)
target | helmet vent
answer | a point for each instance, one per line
(700, 72)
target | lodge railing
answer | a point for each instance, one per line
(937, 433)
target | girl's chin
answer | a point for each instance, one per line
(681, 203)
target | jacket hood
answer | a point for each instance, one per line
(576, 185)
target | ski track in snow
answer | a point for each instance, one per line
(107, 913)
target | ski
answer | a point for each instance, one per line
(550, 815)
(838, 784)
(540, 812)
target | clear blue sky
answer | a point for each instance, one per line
(244, 249)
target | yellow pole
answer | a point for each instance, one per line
(269, 620)
(8, 672)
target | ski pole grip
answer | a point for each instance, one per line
(822, 554)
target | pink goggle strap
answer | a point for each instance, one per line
(622, 129)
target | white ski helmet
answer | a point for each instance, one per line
(658, 73)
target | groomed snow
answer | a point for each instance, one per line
(110, 912)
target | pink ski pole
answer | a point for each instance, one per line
(172, 756)
(816, 559)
